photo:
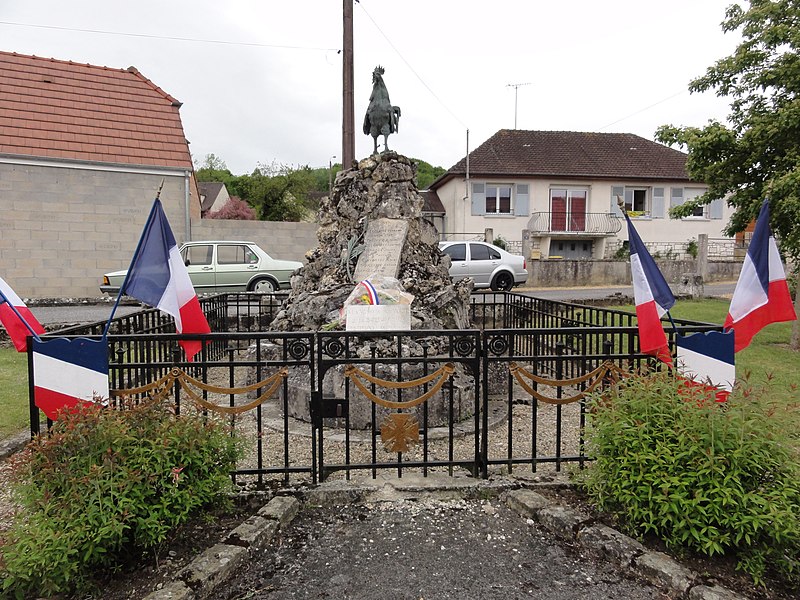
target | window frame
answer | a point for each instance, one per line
(647, 209)
(571, 193)
(498, 187)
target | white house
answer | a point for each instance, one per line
(558, 190)
(213, 196)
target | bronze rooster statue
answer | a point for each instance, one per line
(382, 118)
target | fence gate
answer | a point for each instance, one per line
(314, 405)
(397, 400)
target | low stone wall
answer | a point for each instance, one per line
(579, 273)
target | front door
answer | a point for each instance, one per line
(482, 263)
(458, 260)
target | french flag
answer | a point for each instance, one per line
(652, 296)
(158, 277)
(706, 360)
(17, 318)
(68, 371)
(762, 295)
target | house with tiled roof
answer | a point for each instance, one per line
(555, 192)
(432, 208)
(213, 196)
(83, 151)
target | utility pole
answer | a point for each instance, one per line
(348, 107)
(516, 87)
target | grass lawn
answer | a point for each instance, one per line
(767, 357)
(14, 415)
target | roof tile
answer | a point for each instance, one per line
(520, 153)
(62, 109)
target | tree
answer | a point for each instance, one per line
(757, 153)
(278, 192)
(426, 174)
(235, 209)
(214, 168)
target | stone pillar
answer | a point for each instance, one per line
(702, 255)
(691, 284)
(526, 243)
(488, 235)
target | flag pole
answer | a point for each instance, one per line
(19, 316)
(133, 260)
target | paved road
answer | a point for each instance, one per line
(83, 313)
(89, 313)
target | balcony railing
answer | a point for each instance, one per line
(574, 224)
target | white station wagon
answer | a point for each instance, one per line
(223, 266)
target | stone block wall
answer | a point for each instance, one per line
(62, 228)
(578, 273)
(283, 240)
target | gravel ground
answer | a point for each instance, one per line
(425, 549)
(360, 450)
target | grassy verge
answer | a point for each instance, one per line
(768, 357)
(14, 416)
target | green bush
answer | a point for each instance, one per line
(105, 485)
(691, 248)
(712, 478)
(623, 252)
(500, 242)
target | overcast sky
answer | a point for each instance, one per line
(260, 81)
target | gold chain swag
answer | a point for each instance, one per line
(598, 374)
(160, 389)
(357, 376)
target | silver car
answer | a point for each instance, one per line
(488, 265)
(224, 266)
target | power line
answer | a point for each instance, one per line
(633, 114)
(170, 38)
(422, 81)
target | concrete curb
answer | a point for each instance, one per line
(213, 567)
(13, 444)
(216, 565)
(604, 542)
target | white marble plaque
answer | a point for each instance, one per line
(378, 317)
(383, 244)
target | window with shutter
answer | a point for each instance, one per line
(498, 199)
(715, 208)
(675, 197)
(615, 192)
(522, 200)
(658, 211)
(478, 199)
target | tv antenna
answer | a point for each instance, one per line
(516, 87)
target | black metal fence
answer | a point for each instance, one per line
(507, 395)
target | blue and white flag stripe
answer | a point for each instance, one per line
(708, 358)
(68, 371)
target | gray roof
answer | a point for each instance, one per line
(520, 153)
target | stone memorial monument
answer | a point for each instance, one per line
(372, 226)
